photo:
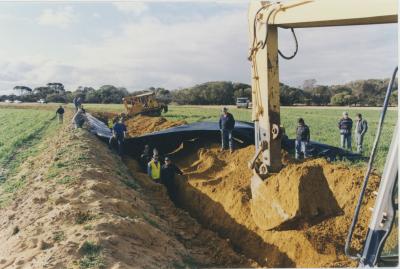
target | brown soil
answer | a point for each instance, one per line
(140, 125)
(78, 193)
(216, 191)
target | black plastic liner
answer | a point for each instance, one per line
(170, 139)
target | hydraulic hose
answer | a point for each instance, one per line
(369, 168)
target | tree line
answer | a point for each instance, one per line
(357, 93)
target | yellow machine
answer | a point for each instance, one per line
(144, 104)
(265, 17)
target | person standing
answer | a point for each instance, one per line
(75, 101)
(119, 134)
(302, 139)
(345, 126)
(145, 157)
(154, 168)
(226, 125)
(60, 113)
(168, 172)
(79, 118)
(359, 132)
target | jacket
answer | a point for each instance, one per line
(168, 172)
(345, 125)
(361, 127)
(154, 170)
(227, 122)
(303, 133)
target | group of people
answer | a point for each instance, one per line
(79, 117)
(345, 126)
(158, 172)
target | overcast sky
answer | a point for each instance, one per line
(166, 44)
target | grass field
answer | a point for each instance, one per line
(20, 132)
(321, 120)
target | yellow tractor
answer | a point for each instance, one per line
(144, 104)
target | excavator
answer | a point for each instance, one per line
(269, 211)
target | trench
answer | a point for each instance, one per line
(211, 215)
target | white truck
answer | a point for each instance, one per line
(242, 102)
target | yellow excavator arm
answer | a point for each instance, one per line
(264, 19)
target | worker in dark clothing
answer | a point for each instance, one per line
(302, 139)
(345, 126)
(226, 125)
(77, 102)
(119, 134)
(360, 130)
(145, 158)
(168, 171)
(79, 118)
(60, 113)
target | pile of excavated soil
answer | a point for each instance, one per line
(80, 207)
(140, 125)
(217, 192)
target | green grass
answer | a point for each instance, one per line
(92, 257)
(321, 120)
(21, 131)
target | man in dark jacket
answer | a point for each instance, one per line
(119, 133)
(145, 157)
(226, 125)
(60, 113)
(360, 130)
(302, 139)
(345, 126)
(168, 172)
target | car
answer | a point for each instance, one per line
(42, 101)
(7, 101)
(17, 101)
(242, 102)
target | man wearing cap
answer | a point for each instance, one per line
(154, 168)
(168, 171)
(345, 125)
(359, 132)
(226, 125)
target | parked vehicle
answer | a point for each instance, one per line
(242, 102)
(42, 101)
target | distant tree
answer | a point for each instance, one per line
(290, 96)
(56, 87)
(23, 89)
(320, 95)
(309, 84)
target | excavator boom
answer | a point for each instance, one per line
(265, 17)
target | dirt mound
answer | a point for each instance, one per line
(140, 125)
(81, 208)
(298, 193)
(217, 192)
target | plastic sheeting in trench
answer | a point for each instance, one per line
(170, 139)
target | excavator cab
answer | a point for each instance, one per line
(144, 104)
